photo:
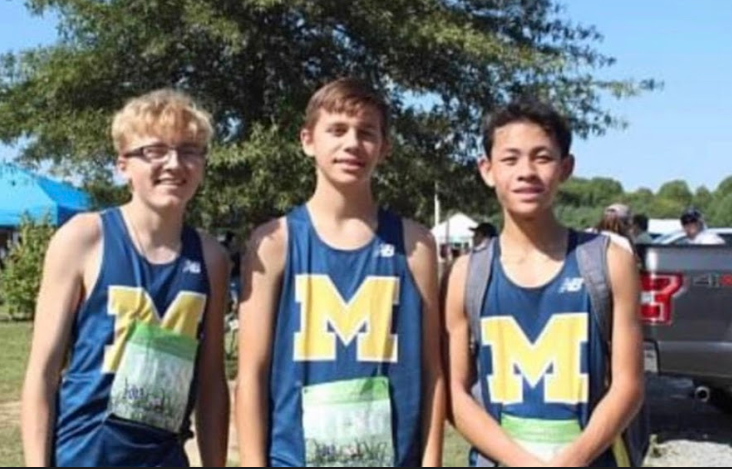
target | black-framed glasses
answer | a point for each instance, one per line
(159, 153)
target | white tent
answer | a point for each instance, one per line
(456, 230)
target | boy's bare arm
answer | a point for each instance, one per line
(625, 396)
(72, 251)
(212, 409)
(422, 254)
(262, 271)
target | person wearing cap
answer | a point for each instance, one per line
(696, 229)
(615, 224)
(483, 233)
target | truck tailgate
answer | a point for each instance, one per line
(697, 341)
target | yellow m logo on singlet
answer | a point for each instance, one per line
(128, 304)
(367, 316)
(555, 357)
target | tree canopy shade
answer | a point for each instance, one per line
(255, 63)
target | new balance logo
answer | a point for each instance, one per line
(192, 267)
(572, 285)
(386, 250)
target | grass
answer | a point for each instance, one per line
(15, 339)
(456, 449)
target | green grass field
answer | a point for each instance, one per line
(15, 339)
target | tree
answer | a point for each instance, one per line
(677, 192)
(640, 201)
(724, 189)
(254, 64)
(721, 212)
(20, 279)
(703, 199)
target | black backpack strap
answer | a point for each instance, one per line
(476, 286)
(592, 258)
(480, 268)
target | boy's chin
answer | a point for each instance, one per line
(528, 212)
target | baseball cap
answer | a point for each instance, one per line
(620, 210)
(690, 216)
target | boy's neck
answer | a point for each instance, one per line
(155, 228)
(542, 233)
(343, 203)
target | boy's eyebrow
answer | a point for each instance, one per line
(533, 150)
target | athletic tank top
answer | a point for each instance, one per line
(128, 392)
(541, 356)
(346, 376)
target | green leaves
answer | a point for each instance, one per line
(255, 63)
(20, 280)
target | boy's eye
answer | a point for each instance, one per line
(368, 134)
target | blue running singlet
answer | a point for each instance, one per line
(541, 360)
(128, 392)
(346, 376)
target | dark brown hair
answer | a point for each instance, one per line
(349, 96)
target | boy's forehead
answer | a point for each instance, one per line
(139, 139)
(364, 114)
(523, 134)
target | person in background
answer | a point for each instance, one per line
(696, 229)
(483, 233)
(616, 224)
(639, 230)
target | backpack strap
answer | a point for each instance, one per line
(592, 258)
(480, 269)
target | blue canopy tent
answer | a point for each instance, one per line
(22, 192)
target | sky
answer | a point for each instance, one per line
(680, 132)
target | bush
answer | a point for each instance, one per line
(20, 279)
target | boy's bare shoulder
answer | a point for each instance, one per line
(267, 246)
(417, 236)
(81, 233)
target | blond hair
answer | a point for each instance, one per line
(163, 112)
(348, 96)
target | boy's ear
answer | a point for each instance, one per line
(485, 167)
(568, 165)
(121, 164)
(306, 140)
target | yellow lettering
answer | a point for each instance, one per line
(128, 305)
(515, 358)
(368, 316)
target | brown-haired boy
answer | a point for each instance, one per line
(339, 350)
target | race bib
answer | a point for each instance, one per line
(544, 439)
(152, 385)
(348, 424)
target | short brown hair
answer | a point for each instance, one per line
(349, 96)
(162, 111)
